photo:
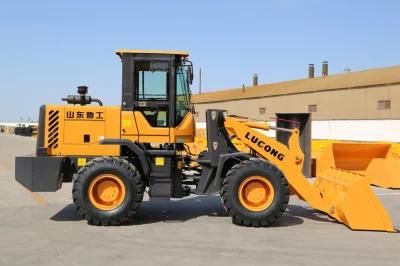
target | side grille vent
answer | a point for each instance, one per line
(52, 131)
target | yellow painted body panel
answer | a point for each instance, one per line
(72, 130)
(147, 133)
(345, 196)
(136, 128)
(185, 131)
(199, 143)
(74, 122)
(129, 128)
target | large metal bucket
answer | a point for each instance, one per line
(351, 201)
(384, 172)
(373, 160)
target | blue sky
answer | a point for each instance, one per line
(47, 48)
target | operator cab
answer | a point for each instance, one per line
(157, 83)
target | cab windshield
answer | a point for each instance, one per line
(183, 81)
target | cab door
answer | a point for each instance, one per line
(152, 100)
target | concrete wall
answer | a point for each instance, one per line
(358, 130)
(354, 104)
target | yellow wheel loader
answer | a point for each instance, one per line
(113, 154)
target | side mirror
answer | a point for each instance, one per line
(191, 74)
(189, 71)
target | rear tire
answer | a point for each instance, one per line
(108, 191)
(243, 200)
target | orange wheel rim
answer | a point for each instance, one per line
(106, 192)
(256, 193)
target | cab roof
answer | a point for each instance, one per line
(120, 52)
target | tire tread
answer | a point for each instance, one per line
(237, 217)
(133, 177)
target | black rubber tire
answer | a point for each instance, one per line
(133, 191)
(229, 193)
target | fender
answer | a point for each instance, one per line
(135, 148)
(225, 163)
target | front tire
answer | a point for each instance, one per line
(255, 193)
(108, 191)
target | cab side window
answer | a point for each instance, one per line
(152, 81)
(151, 89)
